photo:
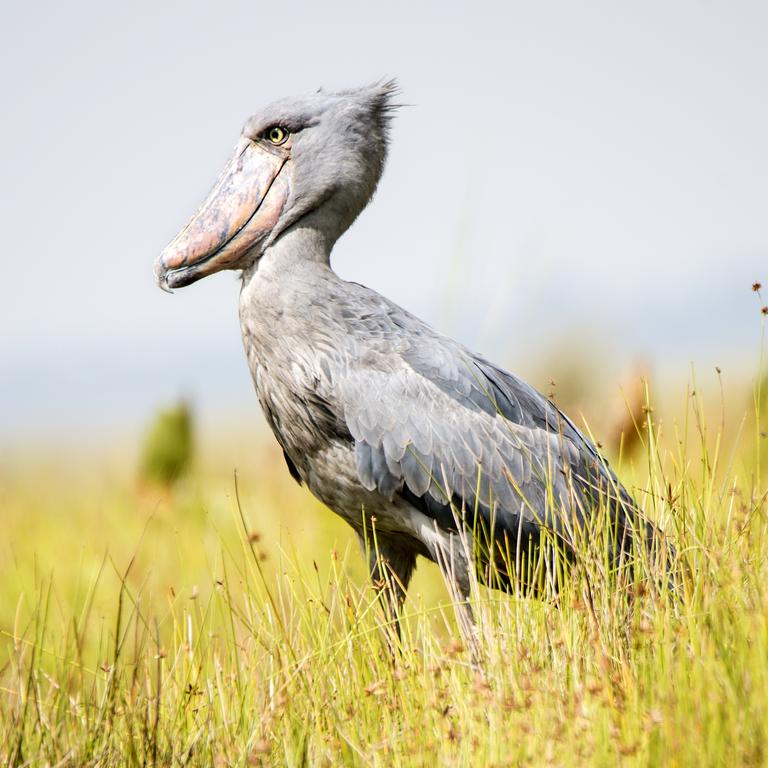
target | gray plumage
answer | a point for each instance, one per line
(378, 414)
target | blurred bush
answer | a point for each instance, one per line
(168, 446)
(584, 381)
(629, 417)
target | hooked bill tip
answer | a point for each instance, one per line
(161, 276)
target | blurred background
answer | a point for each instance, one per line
(570, 185)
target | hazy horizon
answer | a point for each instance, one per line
(595, 172)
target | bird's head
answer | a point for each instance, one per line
(316, 158)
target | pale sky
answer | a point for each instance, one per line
(597, 169)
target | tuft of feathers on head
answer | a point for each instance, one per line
(383, 92)
(378, 97)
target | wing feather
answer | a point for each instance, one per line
(433, 422)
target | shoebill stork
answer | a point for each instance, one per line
(413, 439)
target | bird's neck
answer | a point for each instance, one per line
(290, 270)
(281, 315)
(279, 289)
(300, 243)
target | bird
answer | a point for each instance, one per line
(424, 447)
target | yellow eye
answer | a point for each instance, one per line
(277, 135)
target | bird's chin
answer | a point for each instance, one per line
(180, 277)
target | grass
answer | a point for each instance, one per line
(196, 628)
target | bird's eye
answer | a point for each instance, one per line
(277, 135)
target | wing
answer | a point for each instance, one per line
(445, 428)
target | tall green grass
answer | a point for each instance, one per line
(209, 627)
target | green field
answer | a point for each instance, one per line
(187, 627)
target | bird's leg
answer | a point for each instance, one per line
(391, 567)
(465, 617)
(453, 556)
